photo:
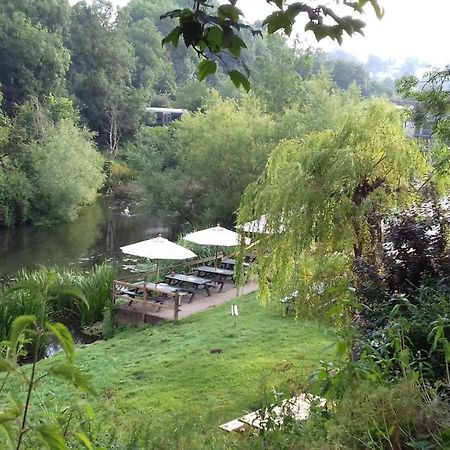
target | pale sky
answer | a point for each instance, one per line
(409, 28)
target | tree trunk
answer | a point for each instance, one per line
(113, 138)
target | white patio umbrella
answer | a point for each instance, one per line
(158, 248)
(217, 236)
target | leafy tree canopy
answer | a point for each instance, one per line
(217, 154)
(329, 192)
(33, 58)
(432, 96)
(321, 107)
(67, 172)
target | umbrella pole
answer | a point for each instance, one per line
(144, 299)
(157, 277)
(215, 259)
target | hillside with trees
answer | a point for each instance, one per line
(351, 299)
(85, 74)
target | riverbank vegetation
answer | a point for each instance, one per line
(95, 286)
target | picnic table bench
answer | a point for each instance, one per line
(196, 282)
(217, 274)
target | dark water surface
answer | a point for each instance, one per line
(96, 236)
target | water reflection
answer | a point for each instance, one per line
(95, 236)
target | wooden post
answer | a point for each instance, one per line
(176, 307)
(144, 299)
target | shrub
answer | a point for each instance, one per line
(387, 416)
(415, 248)
(119, 173)
(66, 172)
(16, 192)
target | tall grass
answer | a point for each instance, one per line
(22, 302)
(15, 304)
(95, 285)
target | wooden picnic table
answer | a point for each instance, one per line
(217, 274)
(192, 280)
(165, 288)
(230, 263)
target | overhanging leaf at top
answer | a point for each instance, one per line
(239, 79)
(205, 68)
(214, 31)
(173, 37)
(229, 12)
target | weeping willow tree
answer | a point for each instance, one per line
(324, 199)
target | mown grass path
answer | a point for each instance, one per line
(167, 375)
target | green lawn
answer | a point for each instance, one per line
(167, 375)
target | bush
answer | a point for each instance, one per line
(413, 281)
(392, 416)
(16, 193)
(66, 172)
(415, 248)
(119, 173)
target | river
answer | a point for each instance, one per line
(96, 236)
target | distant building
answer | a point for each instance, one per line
(413, 129)
(165, 116)
(417, 131)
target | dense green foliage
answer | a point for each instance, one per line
(213, 31)
(330, 192)
(34, 57)
(67, 171)
(94, 285)
(50, 167)
(200, 167)
(89, 67)
(210, 169)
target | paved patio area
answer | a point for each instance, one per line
(128, 314)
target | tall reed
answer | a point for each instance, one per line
(13, 305)
(96, 287)
(94, 284)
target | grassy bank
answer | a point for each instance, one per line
(165, 379)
